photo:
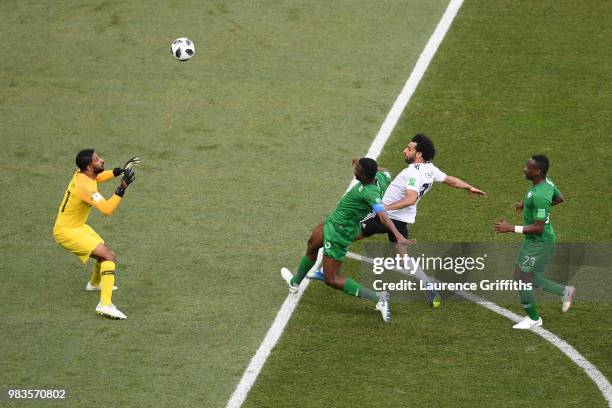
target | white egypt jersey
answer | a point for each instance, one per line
(418, 177)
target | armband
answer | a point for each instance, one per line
(518, 229)
(378, 207)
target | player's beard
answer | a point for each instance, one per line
(409, 160)
(98, 170)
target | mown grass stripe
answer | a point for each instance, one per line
(284, 314)
(589, 368)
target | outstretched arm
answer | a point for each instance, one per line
(96, 200)
(91, 196)
(117, 171)
(107, 207)
(460, 184)
(109, 174)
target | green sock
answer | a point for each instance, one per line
(305, 265)
(529, 304)
(355, 289)
(539, 281)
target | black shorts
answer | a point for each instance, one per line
(372, 224)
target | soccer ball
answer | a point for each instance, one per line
(182, 49)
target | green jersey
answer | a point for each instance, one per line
(354, 206)
(383, 179)
(537, 204)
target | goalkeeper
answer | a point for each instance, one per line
(72, 232)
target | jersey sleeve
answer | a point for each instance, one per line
(556, 192)
(105, 176)
(412, 178)
(439, 175)
(89, 194)
(372, 197)
(383, 179)
(541, 207)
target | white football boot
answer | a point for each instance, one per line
(568, 298)
(110, 311)
(89, 286)
(383, 305)
(527, 323)
(287, 276)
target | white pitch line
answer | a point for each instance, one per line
(589, 368)
(284, 314)
(413, 81)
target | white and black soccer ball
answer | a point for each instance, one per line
(182, 49)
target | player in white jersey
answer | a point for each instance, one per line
(405, 192)
(410, 185)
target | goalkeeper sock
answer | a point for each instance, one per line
(305, 265)
(529, 304)
(540, 282)
(95, 276)
(355, 289)
(107, 280)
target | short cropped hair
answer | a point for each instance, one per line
(369, 166)
(83, 158)
(542, 162)
(425, 146)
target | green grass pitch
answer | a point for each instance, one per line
(247, 147)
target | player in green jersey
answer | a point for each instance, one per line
(538, 243)
(339, 231)
(382, 179)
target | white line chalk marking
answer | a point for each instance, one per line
(284, 314)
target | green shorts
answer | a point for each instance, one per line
(337, 239)
(533, 257)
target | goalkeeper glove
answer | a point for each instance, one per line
(128, 165)
(134, 161)
(128, 178)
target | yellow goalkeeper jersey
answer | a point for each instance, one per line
(82, 194)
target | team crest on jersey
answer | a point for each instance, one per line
(361, 188)
(411, 181)
(530, 194)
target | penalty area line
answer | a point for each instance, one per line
(589, 368)
(284, 314)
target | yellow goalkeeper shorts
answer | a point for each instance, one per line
(80, 241)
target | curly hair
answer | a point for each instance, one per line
(83, 158)
(425, 146)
